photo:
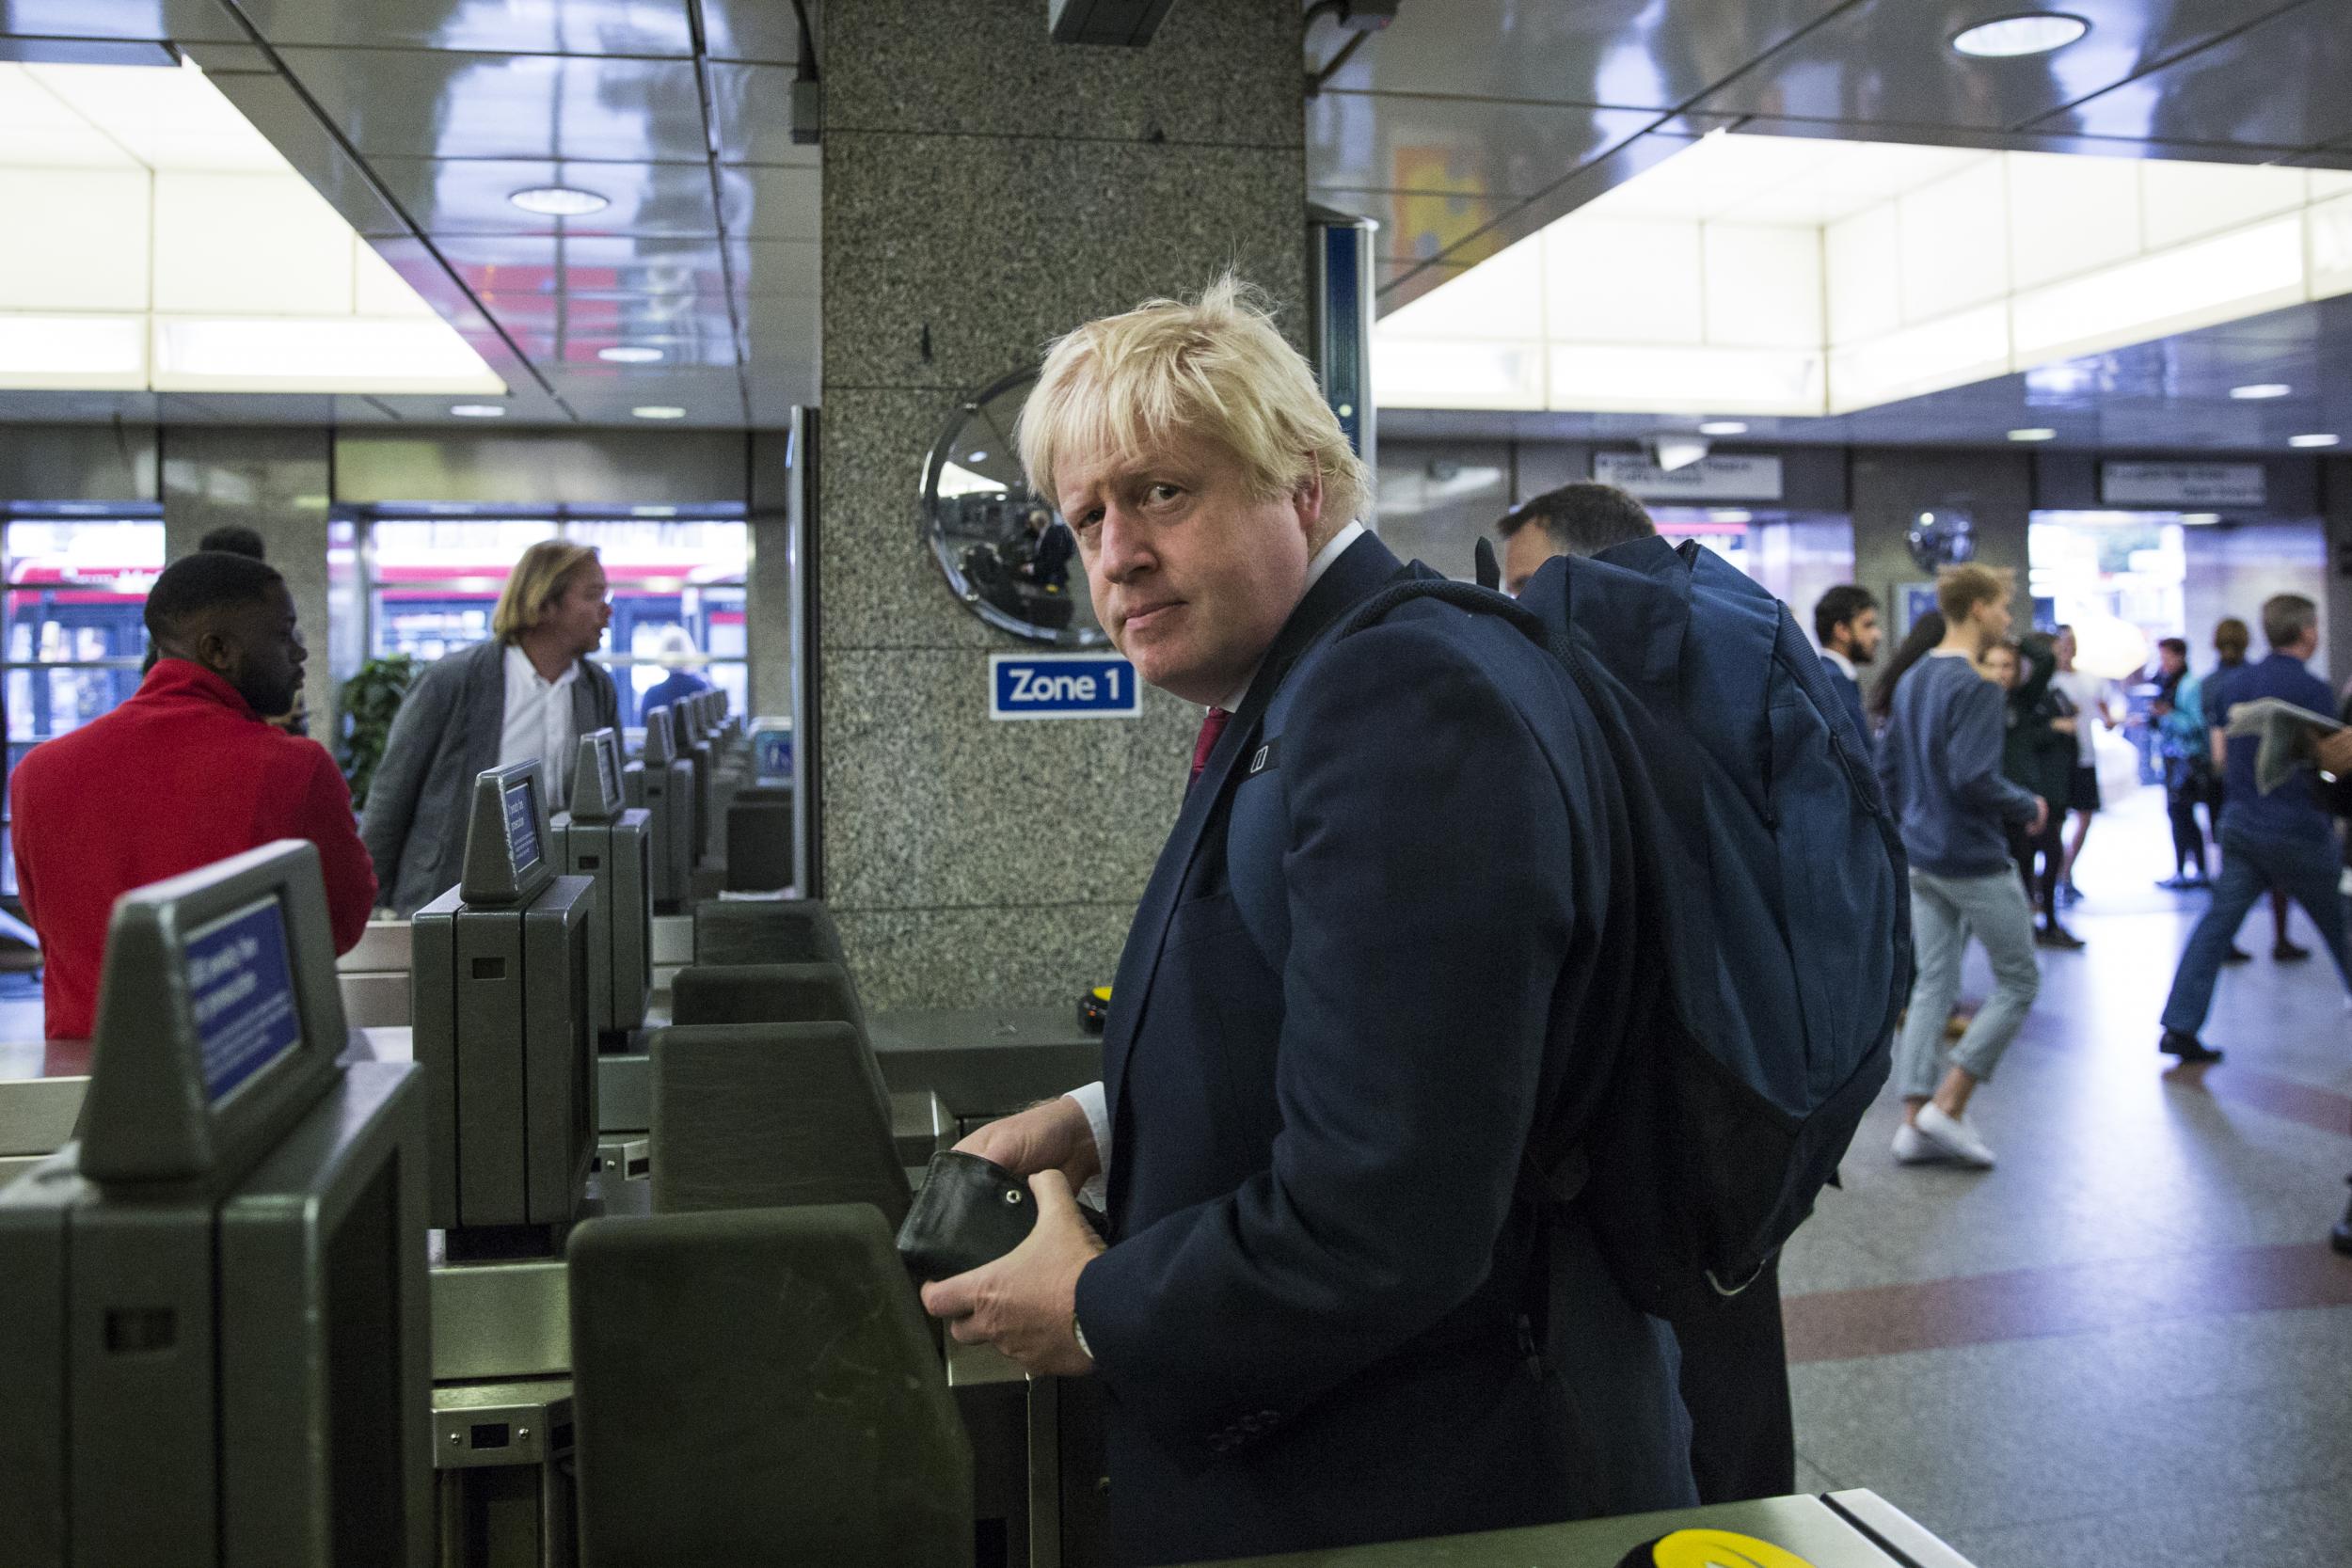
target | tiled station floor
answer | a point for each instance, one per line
(2128, 1344)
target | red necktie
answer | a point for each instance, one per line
(1211, 725)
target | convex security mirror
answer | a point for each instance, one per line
(1008, 556)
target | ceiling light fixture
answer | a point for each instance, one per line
(477, 410)
(2034, 433)
(659, 411)
(2260, 390)
(559, 201)
(2201, 519)
(2315, 439)
(630, 354)
(1723, 427)
(2030, 33)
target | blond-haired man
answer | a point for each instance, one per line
(1382, 939)
(1940, 764)
(526, 695)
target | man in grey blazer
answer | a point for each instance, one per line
(526, 695)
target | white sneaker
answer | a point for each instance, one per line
(1954, 1136)
(1912, 1147)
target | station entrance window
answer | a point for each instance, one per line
(71, 634)
(427, 579)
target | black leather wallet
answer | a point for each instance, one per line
(969, 1212)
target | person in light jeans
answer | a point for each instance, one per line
(1940, 766)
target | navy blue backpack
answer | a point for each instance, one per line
(1770, 886)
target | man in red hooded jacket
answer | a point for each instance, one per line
(184, 774)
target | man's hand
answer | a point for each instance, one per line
(1025, 1303)
(2041, 817)
(1052, 1136)
(2335, 752)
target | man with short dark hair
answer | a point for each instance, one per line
(2283, 839)
(1583, 518)
(1845, 626)
(234, 539)
(185, 774)
(1940, 766)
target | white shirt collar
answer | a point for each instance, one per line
(1840, 663)
(519, 667)
(1315, 568)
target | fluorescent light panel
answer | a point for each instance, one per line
(193, 257)
(1674, 293)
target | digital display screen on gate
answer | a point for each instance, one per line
(241, 993)
(522, 825)
(608, 766)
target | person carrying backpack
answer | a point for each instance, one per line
(1392, 930)
(1940, 766)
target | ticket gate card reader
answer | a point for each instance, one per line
(214, 1352)
(664, 784)
(693, 744)
(610, 841)
(502, 973)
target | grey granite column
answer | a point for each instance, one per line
(1890, 488)
(275, 482)
(986, 190)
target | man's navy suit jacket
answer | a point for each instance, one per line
(1381, 937)
(1850, 690)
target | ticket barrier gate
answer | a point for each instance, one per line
(761, 930)
(759, 1385)
(664, 784)
(609, 843)
(504, 976)
(215, 1351)
(1838, 1529)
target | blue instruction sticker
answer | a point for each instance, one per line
(522, 825)
(1062, 686)
(241, 991)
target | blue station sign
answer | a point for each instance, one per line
(1062, 686)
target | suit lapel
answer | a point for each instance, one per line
(1359, 572)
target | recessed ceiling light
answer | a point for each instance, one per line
(2034, 433)
(976, 457)
(659, 411)
(1729, 514)
(478, 410)
(630, 354)
(2201, 519)
(2313, 440)
(559, 201)
(1723, 427)
(2033, 33)
(2260, 390)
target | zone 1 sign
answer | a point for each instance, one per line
(1062, 686)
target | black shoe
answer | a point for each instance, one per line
(2341, 1237)
(2237, 954)
(2055, 935)
(2287, 952)
(2183, 882)
(2187, 1047)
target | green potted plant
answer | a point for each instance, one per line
(370, 699)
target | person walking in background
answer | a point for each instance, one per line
(2091, 699)
(1845, 626)
(2187, 758)
(675, 648)
(1925, 634)
(2282, 839)
(1581, 519)
(2231, 639)
(526, 695)
(1940, 766)
(2039, 755)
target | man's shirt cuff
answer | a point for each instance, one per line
(1092, 1101)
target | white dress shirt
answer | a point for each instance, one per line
(1092, 1098)
(1840, 663)
(538, 727)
